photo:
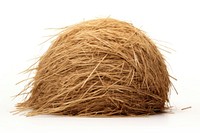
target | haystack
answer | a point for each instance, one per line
(102, 67)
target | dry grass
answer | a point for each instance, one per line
(102, 67)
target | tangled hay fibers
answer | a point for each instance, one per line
(101, 67)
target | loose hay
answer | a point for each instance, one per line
(102, 67)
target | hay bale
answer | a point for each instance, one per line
(102, 67)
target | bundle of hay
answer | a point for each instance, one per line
(102, 67)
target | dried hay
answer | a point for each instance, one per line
(102, 67)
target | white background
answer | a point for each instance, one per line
(175, 24)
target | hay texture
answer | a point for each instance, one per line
(101, 67)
